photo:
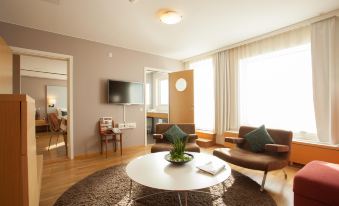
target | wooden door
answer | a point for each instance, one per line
(6, 68)
(181, 103)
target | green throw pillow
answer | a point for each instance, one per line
(174, 132)
(258, 138)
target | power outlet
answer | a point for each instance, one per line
(130, 125)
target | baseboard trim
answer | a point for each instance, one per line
(109, 153)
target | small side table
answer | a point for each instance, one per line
(41, 123)
(105, 139)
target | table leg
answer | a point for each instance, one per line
(130, 188)
(208, 193)
(186, 196)
(120, 144)
(150, 195)
(180, 203)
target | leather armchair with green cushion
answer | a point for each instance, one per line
(274, 157)
(162, 144)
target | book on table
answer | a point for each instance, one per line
(212, 168)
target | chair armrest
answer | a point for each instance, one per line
(276, 148)
(192, 136)
(235, 140)
(158, 136)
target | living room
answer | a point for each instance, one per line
(250, 87)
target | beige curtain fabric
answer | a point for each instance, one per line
(325, 63)
(226, 94)
(226, 69)
(282, 41)
(222, 99)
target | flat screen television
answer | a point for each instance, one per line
(121, 92)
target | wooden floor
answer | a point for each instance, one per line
(56, 151)
(59, 173)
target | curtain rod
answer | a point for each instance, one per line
(303, 23)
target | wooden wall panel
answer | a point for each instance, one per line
(304, 153)
(28, 119)
(6, 68)
(10, 157)
(181, 104)
(19, 180)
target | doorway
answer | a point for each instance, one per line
(48, 77)
(156, 100)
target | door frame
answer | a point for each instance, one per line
(70, 111)
(145, 106)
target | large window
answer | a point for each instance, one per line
(275, 89)
(204, 94)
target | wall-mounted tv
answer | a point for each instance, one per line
(121, 92)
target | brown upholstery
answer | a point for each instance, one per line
(248, 159)
(276, 148)
(275, 157)
(162, 144)
(53, 120)
(234, 140)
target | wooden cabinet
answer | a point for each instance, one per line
(20, 167)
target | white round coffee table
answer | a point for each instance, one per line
(152, 170)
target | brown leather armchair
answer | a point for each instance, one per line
(162, 144)
(275, 156)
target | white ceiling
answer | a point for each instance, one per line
(206, 25)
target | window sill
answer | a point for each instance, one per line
(205, 132)
(315, 144)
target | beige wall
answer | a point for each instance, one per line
(92, 68)
(36, 88)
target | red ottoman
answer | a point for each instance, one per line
(317, 184)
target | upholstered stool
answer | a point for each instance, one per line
(317, 184)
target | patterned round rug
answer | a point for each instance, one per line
(111, 186)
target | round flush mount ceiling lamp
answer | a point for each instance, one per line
(170, 17)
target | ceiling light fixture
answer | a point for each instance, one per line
(170, 17)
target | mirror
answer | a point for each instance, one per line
(180, 85)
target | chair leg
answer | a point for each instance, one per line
(120, 144)
(285, 174)
(106, 141)
(50, 139)
(100, 145)
(57, 140)
(263, 182)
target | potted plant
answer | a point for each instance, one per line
(177, 154)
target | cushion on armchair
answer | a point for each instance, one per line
(174, 132)
(258, 138)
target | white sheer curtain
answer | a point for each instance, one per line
(325, 58)
(203, 94)
(275, 89)
(227, 65)
(226, 80)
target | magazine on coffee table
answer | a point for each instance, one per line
(212, 167)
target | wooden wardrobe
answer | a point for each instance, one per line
(20, 167)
